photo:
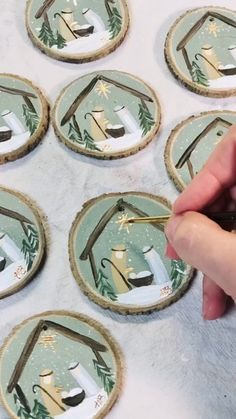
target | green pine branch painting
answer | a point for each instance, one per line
(115, 23)
(104, 286)
(31, 119)
(30, 246)
(74, 133)
(89, 142)
(146, 119)
(198, 76)
(39, 410)
(178, 272)
(76, 136)
(105, 375)
(50, 39)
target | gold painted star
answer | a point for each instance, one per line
(122, 221)
(48, 341)
(103, 89)
(213, 28)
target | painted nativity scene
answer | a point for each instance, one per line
(209, 50)
(59, 371)
(19, 248)
(109, 115)
(125, 263)
(79, 27)
(198, 140)
(19, 124)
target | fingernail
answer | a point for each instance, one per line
(172, 226)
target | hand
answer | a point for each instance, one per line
(199, 241)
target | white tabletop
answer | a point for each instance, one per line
(177, 365)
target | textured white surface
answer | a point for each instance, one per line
(177, 366)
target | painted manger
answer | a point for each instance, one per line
(21, 242)
(77, 30)
(205, 57)
(113, 114)
(124, 267)
(59, 365)
(192, 142)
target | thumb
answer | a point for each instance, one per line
(203, 244)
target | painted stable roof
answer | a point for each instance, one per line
(200, 23)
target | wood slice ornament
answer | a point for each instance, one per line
(200, 50)
(60, 365)
(22, 241)
(121, 266)
(24, 117)
(107, 115)
(77, 30)
(191, 143)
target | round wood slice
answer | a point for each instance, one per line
(191, 143)
(107, 115)
(200, 51)
(120, 266)
(77, 31)
(60, 364)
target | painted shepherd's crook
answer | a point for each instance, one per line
(49, 395)
(119, 272)
(96, 122)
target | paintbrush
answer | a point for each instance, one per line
(219, 217)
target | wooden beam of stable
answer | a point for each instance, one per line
(33, 339)
(200, 23)
(187, 154)
(18, 92)
(15, 215)
(43, 9)
(128, 89)
(94, 236)
(141, 213)
(73, 108)
(104, 220)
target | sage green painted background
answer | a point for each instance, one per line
(220, 43)
(12, 227)
(14, 103)
(205, 147)
(98, 6)
(66, 352)
(116, 97)
(140, 235)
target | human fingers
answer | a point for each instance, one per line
(203, 244)
(214, 300)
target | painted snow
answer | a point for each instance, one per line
(12, 275)
(223, 82)
(87, 409)
(121, 143)
(146, 295)
(14, 143)
(87, 44)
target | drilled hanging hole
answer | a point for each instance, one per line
(220, 133)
